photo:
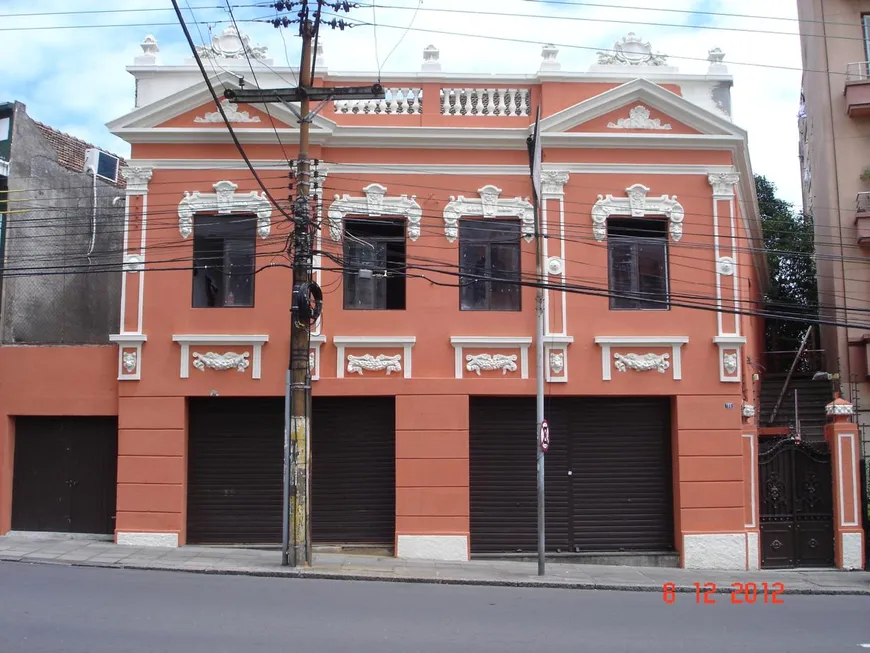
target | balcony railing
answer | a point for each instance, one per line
(491, 102)
(857, 88)
(397, 101)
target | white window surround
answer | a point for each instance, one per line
(316, 342)
(490, 342)
(489, 206)
(223, 201)
(556, 344)
(753, 469)
(405, 343)
(856, 501)
(608, 342)
(129, 341)
(637, 205)
(374, 204)
(725, 343)
(255, 342)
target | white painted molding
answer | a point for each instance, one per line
(390, 364)
(488, 362)
(753, 470)
(221, 362)
(147, 539)
(714, 551)
(223, 201)
(315, 354)
(553, 183)
(723, 184)
(639, 118)
(556, 358)
(851, 544)
(488, 206)
(730, 355)
(137, 178)
(853, 456)
(232, 112)
(432, 547)
(642, 362)
(255, 342)
(637, 205)
(627, 342)
(490, 342)
(375, 203)
(342, 343)
(726, 266)
(129, 355)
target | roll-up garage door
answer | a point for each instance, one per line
(235, 465)
(353, 475)
(608, 475)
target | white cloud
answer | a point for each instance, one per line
(75, 78)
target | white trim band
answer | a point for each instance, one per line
(432, 547)
(674, 342)
(148, 539)
(405, 343)
(490, 342)
(255, 342)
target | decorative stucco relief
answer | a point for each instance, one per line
(221, 362)
(489, 206)
(374, 204)
(129, 361)
(632, 50)
(223, 201)
(748, 410)
(137, 179)
(642, 362)
(730, 363)
(636, 204)
(487, 362)
(639, 118)
(557, 362)
(230, 44)
(356, 364)
(232, 112)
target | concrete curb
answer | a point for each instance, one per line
(376, 576)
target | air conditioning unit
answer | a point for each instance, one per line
(105, 165)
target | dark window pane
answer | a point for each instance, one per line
(637, 263)
(374, 262)
(224, 260)
(652, 274)
(622, 259)
(489, 254)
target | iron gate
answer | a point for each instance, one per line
(796, 504)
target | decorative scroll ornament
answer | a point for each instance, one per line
(748, 410)
(374, 363)
(129, 361)
(221, 362)
(231, 45)
(642, 362)
(489, 206)
(232, 112)
(631, 51)
(311, 361)
(224, 200)
(137, 178)
(503, 362)
(557, 362)
(637, 205)
(729, 361)
(553, 181)
(638, 118)
(374, 204)
(725, 266)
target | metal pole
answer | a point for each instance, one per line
(285, 511)
(539, 368)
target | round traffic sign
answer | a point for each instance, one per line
(545, 436)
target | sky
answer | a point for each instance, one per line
(71, 74)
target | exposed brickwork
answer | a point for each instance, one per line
(71, 150)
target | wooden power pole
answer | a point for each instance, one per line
(297, 420)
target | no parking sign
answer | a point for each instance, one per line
(545, 436)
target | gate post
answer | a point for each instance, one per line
(842, 438)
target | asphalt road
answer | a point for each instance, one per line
(60, 609)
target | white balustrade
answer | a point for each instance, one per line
(397, 101)
(485, 101)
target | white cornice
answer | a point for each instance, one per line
(641, 340)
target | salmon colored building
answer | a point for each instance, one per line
(422, 367)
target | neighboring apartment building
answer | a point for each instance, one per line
(834, 125)
(422, 370)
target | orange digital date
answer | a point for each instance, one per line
(740, 594)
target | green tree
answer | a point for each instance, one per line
(793, 285)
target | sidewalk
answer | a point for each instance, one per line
(255, 562)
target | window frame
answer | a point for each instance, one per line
(663, 240)
(216, 220)
(385, 240)
(488, 271)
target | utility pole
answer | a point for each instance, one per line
(297, 398)
(535, 160)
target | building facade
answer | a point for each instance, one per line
(423, 420)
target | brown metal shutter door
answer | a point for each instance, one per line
(622, 482)
(235, 464)
(503, 450)
(353, 470)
